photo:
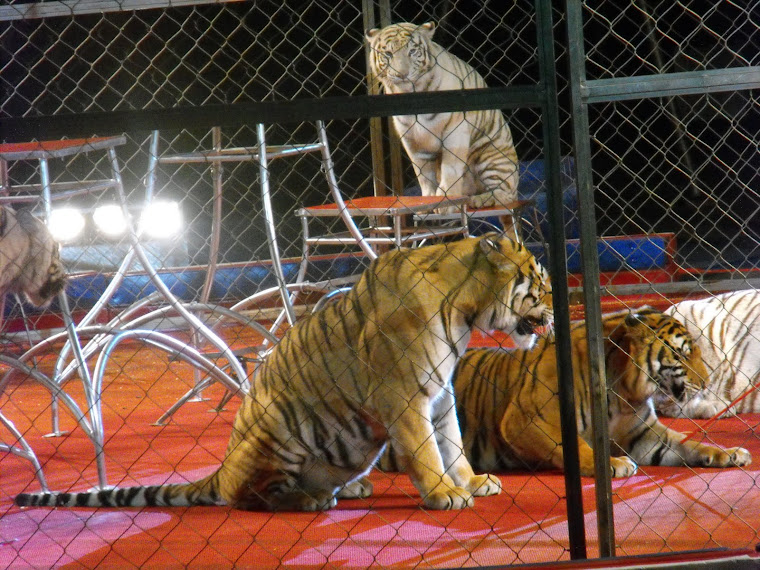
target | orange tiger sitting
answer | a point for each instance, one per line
(369, 368)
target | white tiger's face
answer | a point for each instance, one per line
(400, 53)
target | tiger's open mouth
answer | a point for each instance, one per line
(528, 325)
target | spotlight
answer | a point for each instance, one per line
(110, 219)
(65, 224)
(162, 219)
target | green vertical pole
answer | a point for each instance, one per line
(558, 269)
(591, 289)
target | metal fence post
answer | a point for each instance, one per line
(558, 268)
(591, 291)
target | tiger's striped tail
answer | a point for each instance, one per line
(196, 493)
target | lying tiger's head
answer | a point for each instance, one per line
(30, 261)
(523, 307)
(661, 358)
(400, 53)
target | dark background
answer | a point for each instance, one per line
(689, 165)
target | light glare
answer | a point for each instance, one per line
(110, 219)
(65, 224)
(162, 219)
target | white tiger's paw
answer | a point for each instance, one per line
(446, 499)
(359, 489)
(484, 200)
(448, 210)
(484, 485)
(622, 466)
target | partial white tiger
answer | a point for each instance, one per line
(467, 153)
(29, 258)
(727, 329)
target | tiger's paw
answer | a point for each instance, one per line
(733, 457)
(359, 489)
(484, 485)
(302, 501)
(622, 466)
(447, 499)
(484, 200)
(448, 210)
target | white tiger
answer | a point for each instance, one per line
(727, 329)
(29, 258)
(467, 153)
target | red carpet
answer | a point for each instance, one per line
(658, 510)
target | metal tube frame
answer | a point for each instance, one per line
(591, 290)
(558, 271)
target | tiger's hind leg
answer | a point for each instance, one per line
(319, 487)
(285, 493)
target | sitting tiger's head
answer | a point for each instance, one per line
(526, 286)
(401, 52)
(30, 261)
(660, 357)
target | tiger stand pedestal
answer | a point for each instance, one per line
(510, 212)
(374, 209)
(46, 192)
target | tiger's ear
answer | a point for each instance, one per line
(369, 34)
(633, 319)
(427, 29)
(637, 317)
(638, 327)
(500, 251)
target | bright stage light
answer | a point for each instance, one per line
(110, 219)
(162, 219)
(65, 224)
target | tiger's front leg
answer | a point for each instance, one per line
(661, 445)
(449, 439)
(414, 440)
(455, 179)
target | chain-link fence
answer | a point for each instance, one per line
(675, 180)
(664, 113)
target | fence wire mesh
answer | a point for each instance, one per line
(675, 188)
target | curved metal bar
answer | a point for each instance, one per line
(95, 436)
(61, 374)
(104, 331)
(216, 216)
(46, 343)
(25, 451)
(84, 372)
(329, 297)
(338, 197)
(266, 293)
(123, 268)
(43, 344)
(180, 350)
(266, 200)
(201, 385)
(192, 320)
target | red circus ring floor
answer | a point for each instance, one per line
(659, 510)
